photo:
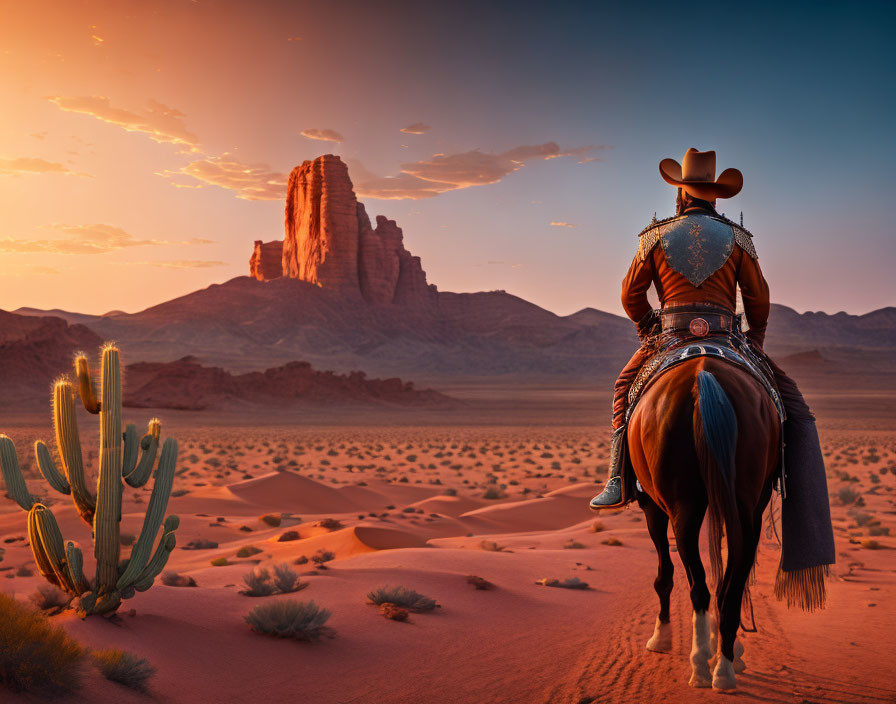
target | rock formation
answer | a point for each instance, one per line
(266, 262)
(330, 242)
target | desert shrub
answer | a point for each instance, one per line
(35, 656)
(847, 495)
(124, 668)
(402, 596)
(612, 541)
(200, 544)
(24, 571)
(301, 560)
(271, 519)
(286, 580)
(878, 530)
(870, 544)
(322, 556)
(288, 536)
(393, 612)
(571, 583)
(300, 620)
(220, 562)
(597, 527)
(479, 582)
(50, 598)
(173, 579)
(493, 492)
(247, 551)
(573, 545)
(127, 539)
(258, 583)
(492, 546)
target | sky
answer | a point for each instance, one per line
(145, 145)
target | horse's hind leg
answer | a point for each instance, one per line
(657, 526)
(686, 524)
(730, 599)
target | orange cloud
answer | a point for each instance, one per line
(560, 223)
(185, 264)
(323, 135)
(33, 165)
(416, 128)
(158, 121)
(250, 181)
(87, 239)
(448, 172)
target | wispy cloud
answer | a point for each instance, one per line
(33, 165)
(250, 181)
(560, 223)
(416, 128)
(186, 264)
(159, 122)
(323, 135)
(88, 239)
(449, 172)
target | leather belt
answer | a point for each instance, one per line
(697, 321)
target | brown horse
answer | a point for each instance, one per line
(705, 435)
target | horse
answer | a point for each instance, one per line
(705, 436)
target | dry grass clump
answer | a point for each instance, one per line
(403, 597)
(124, 668)
(35, 656)
(321, 557)
(299, 620)
(571, 583)
(247, 551)
(173, 579)
(479, 582)
(260, 582)
(572, 544)
(393, 612)
(612, 541)
(597, 527)
(492, 546)
(50, 599)
(271, 519)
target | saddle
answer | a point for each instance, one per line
(689, 332)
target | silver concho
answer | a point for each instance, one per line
(698, 327)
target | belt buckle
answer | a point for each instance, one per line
(698, 327)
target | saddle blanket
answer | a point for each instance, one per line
(731, 348)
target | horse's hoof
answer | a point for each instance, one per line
(699, 682)
(661, 640)
(723, 679)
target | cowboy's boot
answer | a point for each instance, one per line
(611, 496)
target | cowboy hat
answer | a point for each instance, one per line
(696, 175)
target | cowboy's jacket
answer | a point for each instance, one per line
(698, 257)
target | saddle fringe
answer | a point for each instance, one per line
(804, 588)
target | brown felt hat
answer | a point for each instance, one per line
(696, 175)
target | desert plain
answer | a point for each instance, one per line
(495, 486)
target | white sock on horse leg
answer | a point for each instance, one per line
(701, 675)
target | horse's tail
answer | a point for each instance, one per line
(715, 437)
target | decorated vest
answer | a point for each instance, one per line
(696, 245)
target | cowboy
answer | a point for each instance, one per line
(697, 260)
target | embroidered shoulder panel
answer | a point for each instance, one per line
(744, 240)
(650, 235)
(742, 237)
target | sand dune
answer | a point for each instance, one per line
(292, 492)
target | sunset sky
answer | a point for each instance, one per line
(145, 145)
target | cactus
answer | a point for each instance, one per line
(62, 563)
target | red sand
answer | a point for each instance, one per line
(519, 642)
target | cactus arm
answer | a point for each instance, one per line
(85, 384)
(107, 520)
(155, 511)
(160, 558)
(150, 446)
(75, 565)
(48, 468)
(129, 456)
(48, 548)
(68, 442)
(12, 474)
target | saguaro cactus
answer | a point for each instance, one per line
(62, 563)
